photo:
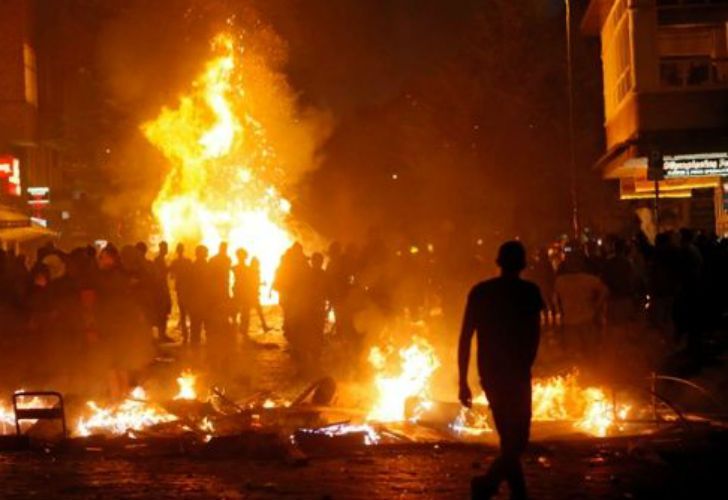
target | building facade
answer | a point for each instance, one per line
(665, 76)
(53, 113)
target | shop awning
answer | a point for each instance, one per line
(16, 226)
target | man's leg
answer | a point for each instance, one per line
(195, 329)
(511, 407)
(183, 317)
(244, 321)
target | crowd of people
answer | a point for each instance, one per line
(674, 286)
(109, 306)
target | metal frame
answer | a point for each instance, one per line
(56, 413)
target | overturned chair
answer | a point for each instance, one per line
(27, 406)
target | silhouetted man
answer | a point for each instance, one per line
(220, 266)
(164, 299)
(246, 291)
(181, 269)
(199, 297)
(505, 314)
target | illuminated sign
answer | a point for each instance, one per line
(39, 197)
(696, 165)
(38, 191)
(10, 173)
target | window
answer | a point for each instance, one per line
(693, 56)
(616, 57)
(31, 75)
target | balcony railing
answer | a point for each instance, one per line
(693, 72)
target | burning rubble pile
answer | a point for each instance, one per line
(401, 410)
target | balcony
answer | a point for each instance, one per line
(678, 72)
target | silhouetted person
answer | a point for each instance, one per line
(544, 275)
(220, 265)
(164, 299)
(663, 279)
(620, 277)
(180, 269)
(314, 314)
(504, 313)
(199, 299)
(145, 283)
(338, 278)
(246, 289)
(123, 344)
(290, 284)
(689, 311)
(581, 298)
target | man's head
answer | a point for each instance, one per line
(180, 250)
(109, 257)
(163, 248)
(223, 248)
(242, 255)
(512, 257)
(141, 248)
(317, 261)
(201, 252)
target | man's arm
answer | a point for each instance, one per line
(466, 337)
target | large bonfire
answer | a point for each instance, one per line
(225, 176)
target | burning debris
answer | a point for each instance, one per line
(187, 381)
(134, 414)
(410, 379)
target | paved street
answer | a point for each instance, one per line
(565, 470)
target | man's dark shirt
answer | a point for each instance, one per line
(505, 313)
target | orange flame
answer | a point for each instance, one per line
(133, 414)
(186, 382)
(418, 362)
(558, 398)
(218, 188)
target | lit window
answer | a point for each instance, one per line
(616, 57)
(31, 75)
